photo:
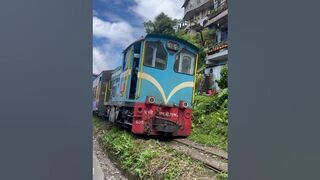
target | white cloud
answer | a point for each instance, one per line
(99, 61)
(149, 9)
(112, 16)
(116, 36)
(119, 32)
(106, 57)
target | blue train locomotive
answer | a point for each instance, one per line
(152, 92)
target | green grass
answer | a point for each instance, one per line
(97, 122)
(210, 121)
(148, 158)
(222, 176)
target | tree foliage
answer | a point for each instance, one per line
(195, 40)
(162, 24)
(210, 123)
(223, 82)
(202, 43)
(210, 119)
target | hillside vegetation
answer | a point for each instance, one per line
(210, 121)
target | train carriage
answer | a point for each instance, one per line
(152, 92)
(101, 93)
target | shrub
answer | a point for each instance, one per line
(210, 119)
(223, 82)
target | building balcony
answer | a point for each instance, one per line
(217, 47)
(217, 54)
(193, 9)
(196, 23)
(217, 58)
(222, 7)
(217, 14)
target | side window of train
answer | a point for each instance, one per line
(126, 59)
(155, 55)
(185, 62)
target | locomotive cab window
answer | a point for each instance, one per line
(155, 55)
(126, 59)
(184, 62)
(124, 64)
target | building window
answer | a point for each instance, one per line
(184, 62)
(155, 55)
(224, 34)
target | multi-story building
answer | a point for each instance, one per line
(212, 14)
(181, 24)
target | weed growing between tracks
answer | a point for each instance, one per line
(222, 176)
(148, 159)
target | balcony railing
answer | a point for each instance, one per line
(195, 6)
(223, 6)
(217, 47)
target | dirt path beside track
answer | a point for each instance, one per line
(109, 170)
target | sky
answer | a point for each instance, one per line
(117, 23)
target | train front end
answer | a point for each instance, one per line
(165, 87)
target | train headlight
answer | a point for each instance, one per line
(183, 104)
(150, 100)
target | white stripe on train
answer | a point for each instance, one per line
(180, 86)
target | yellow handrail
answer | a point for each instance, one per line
(194, 80)
(105, 93)
(110, 85)
(97, 92)
(141, 68)
(128, 70)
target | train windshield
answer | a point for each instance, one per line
(184, 62)
(155, 55)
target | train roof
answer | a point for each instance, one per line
(116, 69)
(103, 73)
(162, 36)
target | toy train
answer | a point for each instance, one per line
(152, 92)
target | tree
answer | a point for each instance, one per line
(202, 44)
(223, 82)
(182, 34)
(162, 24)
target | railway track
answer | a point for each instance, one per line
(211, 150)
(213, 158)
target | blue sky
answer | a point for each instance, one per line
(117, 23)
